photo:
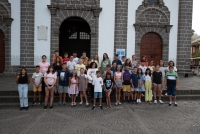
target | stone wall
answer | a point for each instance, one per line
(74, 8)
(184, 34)
(27, 33)
(121, 18)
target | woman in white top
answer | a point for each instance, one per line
(96, 60)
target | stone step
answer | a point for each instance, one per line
(15, 99)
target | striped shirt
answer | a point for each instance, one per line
(171, 77)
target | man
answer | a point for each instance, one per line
(85, 58)
(56, 53)
(75, 59)
(71, 64)
(117, 60)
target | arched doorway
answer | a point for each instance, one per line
(74, 36)
(151, 47)
(2, 52)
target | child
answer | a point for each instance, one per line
(143, 67)
(73, 87)
(171, 83)
(66, 59)
(98, 83)
(83, 85)
(123, 60)
(23, 80)
(62, 83)
(37, 87)
(148, 86)
(126, 83)
(134, 61)
(56, 54)
(50, 80)
(118, 78)
(135, 84)
(79, 66)
(157, 81)
(108, 84)
(141, 85)
(114, 66)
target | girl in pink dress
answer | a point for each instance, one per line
(73, 87)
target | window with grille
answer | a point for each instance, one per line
(84, 36)
(153, 1)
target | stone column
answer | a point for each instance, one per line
(184, 35)
(27, 33)
(121, 17)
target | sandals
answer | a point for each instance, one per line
(116, 103)
(81, 103)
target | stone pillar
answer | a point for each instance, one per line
(27, 33)
(121, 17)
(184, 35)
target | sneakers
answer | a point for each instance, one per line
(139, 101)
(93, 108)
(161, 102)
(40, 102)
(155, 102)
(119, 103)
(64, 102)
(45, 107)
(170, 103)
(81, 103)
(51, 107)
(34, 103)
(72, 104)
(60, 102)
(175, 104)
(101, 107)
(26, 108)
(87, 104)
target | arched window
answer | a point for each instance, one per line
(153, 1)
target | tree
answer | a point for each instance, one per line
(193, 32)
(198, 54)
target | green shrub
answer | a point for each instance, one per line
(198, 54)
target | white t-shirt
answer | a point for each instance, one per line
(147, 77)
(97, 82)
(75, 60)
(37, 77)
(50, 78)
(143, 68)
(71, 65)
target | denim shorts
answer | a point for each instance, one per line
(118, 83)
(171, 90)
(97, 95)
(156, 84)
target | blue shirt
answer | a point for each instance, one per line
(63, 77)
(113, 69)
(135, 78)
(119, 62)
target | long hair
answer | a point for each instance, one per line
(140, 70)
(60, 62)
(162, 62)
(129, 64)
(106, 56)
(20, 74)
(92, 64)
(149, 71)
(97, 57)
(170, 62)
(75, 75)
(48, 71)
(108, 74)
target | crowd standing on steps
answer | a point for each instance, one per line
(69, 76)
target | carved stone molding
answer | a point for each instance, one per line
(53, 9)
(168, 28)
(137, 27)
(160, 3)
(8, 21)
(96, 11)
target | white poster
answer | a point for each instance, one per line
(120, 52)
(42, 32)
(92, 72)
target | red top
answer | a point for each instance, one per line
(146, 64)
(65, 60)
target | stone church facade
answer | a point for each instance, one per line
(159, 29)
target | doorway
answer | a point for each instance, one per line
(74, 36)
(151, 47)
(2, 52)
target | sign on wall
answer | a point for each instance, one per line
(42, 32)
(120, 52)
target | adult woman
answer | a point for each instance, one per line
(104, 62)
(96, 60)
(134, 61)
(43, 68)
(50, 80)
(91, 76)
(23, 80)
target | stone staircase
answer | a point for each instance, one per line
(30, 69)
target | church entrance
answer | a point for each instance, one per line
(74, 36)
(2, 52)
(151, 47)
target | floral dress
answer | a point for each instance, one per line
(73, 89)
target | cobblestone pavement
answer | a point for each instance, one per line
(125, 119)
(7, 83)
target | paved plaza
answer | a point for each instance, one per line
(125, 119)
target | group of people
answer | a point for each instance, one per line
(69, 75)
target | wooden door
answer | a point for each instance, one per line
(151, 47)
(2, 52)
